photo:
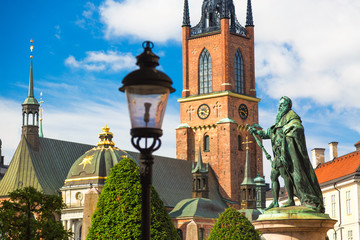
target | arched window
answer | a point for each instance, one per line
(205, 72)
(239, 143)
(206, 143)
(239, 73)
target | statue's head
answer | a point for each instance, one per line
(286, 102)
(284, 107)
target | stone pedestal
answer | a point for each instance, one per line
(293, 223)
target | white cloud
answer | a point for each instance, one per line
(309, 49)
(155, 20)
(99, 61)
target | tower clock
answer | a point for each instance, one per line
(219, 97)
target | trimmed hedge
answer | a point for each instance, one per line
(118, 213)
(233, 225)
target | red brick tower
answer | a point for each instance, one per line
(219, 96)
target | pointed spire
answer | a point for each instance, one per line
(30, 99)
(224, 9)
(249, 16)
(186, 16)
(41, 134)
(31, 79)
(247, 175)
(200, 167)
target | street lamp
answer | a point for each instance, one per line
(147, 91)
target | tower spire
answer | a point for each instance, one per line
(31, 99)
(224, 9)
(31, 79)
(30, 112)
(249, 16)
(247, 174)
(186, 15)
(200, 177)
(41, 134)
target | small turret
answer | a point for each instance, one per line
(30, 111)
(186, 15)
(249, 16)
(248, 187)
(224, 9)
(200, 178)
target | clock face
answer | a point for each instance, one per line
(243, 111)
(203, 111)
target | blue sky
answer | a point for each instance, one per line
(306, 50)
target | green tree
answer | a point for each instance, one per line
(233, 225)
(30, 215)
(118, 213)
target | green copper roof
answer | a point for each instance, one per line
(183, 125)
(200, 167)
(31, 99)
(226, 120)
(197, 207)
(259, 180)
(45, 170)
(94, 165)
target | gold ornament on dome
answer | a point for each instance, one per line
(86, 160)
(106, 137)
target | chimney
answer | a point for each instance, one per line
(318, 156)
(333, 150)
(357, 145)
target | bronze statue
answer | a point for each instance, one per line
(291, 160)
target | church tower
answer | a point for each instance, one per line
(30, 112)
(219, 97)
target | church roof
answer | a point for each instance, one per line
(197, 207)
(339, 167)
(45, 169)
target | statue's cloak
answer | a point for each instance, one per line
(298, 168)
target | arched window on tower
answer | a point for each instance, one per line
(206, 143)
(205, 72)
(239, 143)
(239, 73)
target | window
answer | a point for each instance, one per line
(333, 206)
(350, 235)
(348, 202)
(201, 234)
(239, 143)
(239, 73)
(205, 72)
(206, 143)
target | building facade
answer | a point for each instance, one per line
(219, 97)
(339, 180)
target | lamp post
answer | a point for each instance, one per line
(147, 90)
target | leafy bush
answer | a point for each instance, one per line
(30, 214)
(233, 225)
(118, 213)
